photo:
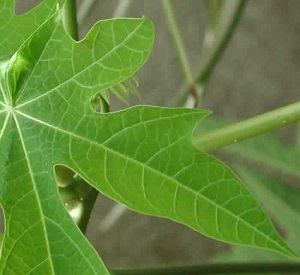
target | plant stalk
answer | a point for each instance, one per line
(85, 10)
(87, 207)
(213, 12)
(229, 17)
(205, 269)
(228, 21)
(122, 8)
(181, 51)
(248, 128)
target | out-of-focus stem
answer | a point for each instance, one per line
(229, 16)
(181, 51)
(248, 128)
(122, 8)
(84, 10)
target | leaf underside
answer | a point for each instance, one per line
(282, 201)
(141, 157)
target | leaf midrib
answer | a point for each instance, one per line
(158, 172)
(42, 216)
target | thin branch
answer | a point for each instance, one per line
(112, 217)
(122, 8)
(248, 128)
(85, 10)
(228, 20)
(213, 12)
(181, 51)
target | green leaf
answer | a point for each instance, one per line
(282, 202)
(16, 29)
(142, 156)
(40, 237)
(279, 199)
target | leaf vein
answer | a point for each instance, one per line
(160, 173)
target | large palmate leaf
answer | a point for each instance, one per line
(141, 156)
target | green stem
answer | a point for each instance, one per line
(205, 269)
(248, 128)
(181, 51)
(122, 8)
(229, 17)
(77, 195)
(87, 207)
(213, 12)
(70, 18)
